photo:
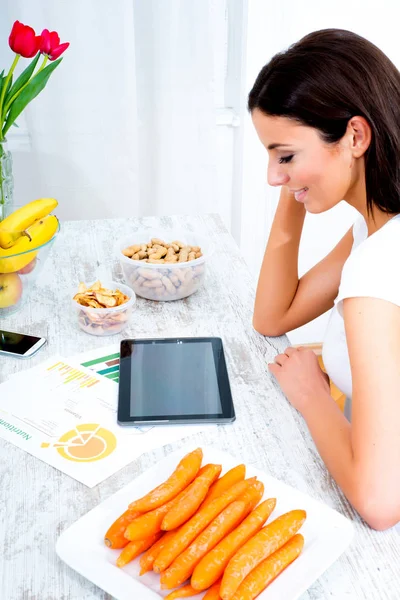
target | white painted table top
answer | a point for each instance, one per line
(38, 502)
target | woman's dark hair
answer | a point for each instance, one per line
(327, 78)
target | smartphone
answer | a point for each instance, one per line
(19, 345)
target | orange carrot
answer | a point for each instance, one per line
(260, 546)
(253, 495)
(183, 566)
(213, 592)
(231, 477)
(191, 529)
(184, 592)
(184, 474)
(150, 523)
(191, 500)
(133, 549)
(148, 558)
(212, 565)
(260, 577)
(114, 537)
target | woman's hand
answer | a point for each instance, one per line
(301, 378)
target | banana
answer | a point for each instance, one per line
(19, 255)
(15, 225)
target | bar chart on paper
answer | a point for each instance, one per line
(103, 362)
(61, 373)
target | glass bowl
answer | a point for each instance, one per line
(18, 275)
(105, 321)
(168, 281)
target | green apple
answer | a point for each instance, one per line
(10, 289)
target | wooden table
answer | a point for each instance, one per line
(37, 502)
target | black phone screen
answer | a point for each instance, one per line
(17, 343)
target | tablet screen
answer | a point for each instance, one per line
(173, 379)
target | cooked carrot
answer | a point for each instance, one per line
(183, 566)
(213, 592)
(184, 474)
(253, 494)
(231, 477)
(133, 549)
(203, 468)
(150, 523)
(212, 565)
(260, 577)
(148, 558)
(260, 546)
(184, 592)
(191, 500)
(114, 537)
(191, 529)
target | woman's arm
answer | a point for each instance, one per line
(283, 302)
(279, 278)
(364, 457)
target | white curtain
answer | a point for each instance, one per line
(126, 123)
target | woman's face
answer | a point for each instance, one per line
(319, 174)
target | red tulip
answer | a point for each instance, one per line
(23, 40)
(50, 44)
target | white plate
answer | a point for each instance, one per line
(326, 533)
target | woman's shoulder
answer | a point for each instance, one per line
(375, 246)
(371, 268)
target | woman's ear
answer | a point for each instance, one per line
(359, 132)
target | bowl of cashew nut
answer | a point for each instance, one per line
(163, 266)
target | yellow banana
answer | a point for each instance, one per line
(15, 225)
(19, 255)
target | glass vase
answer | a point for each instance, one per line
(6, 181)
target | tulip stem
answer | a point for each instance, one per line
(42, 66)
(3, 91)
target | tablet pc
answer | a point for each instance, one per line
(174, 380)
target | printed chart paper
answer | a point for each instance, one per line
(66, 415)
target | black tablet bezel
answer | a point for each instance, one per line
(124, 418)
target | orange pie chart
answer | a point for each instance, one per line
(87, 442)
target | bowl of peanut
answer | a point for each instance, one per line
(163, 266)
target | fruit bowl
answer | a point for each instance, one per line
(19, 272)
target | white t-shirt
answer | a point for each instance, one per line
(371, 270)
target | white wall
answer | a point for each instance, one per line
(272, 27)
(133, 122)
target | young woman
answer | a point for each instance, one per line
(328, 112)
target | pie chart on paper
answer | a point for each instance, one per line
(87, 442)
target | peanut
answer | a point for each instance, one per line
(149, 274)
(171, 259)
(130, 250)
(169, 286)
(157, 249)
(152, 283)
(157, 241)
(183, 255)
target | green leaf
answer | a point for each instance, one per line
(1, 81)
(15, 125)
(22, 79)
(34, 87)
(2, 116)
